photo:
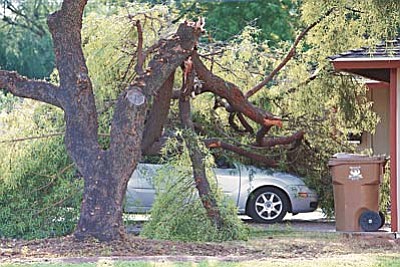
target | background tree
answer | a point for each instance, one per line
(30, 50)
(276, 19)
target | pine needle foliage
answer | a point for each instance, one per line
(177, 213)
(40, 191)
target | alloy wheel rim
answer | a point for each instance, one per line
(268, 206)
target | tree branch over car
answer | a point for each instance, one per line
(139, 115)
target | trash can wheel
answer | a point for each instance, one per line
(370, 221)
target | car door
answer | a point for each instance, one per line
(141, 191)
(229, 181)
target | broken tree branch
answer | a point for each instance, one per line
(158, 115)
(196, 155)
(232, 94)
(233, 124)
(285, 140)
(128, 120)
(140, 55)
(217, 143)
(261, 134)
(245, 124)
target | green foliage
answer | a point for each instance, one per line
(26, 53)
(25, 43)
(109, 44)
(384, 197)
(275, 18)
(40, 192)
(305, 93)
(7, 102)
(331, 106)
(354, 25)
(177, 213)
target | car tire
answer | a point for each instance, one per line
(268, 205)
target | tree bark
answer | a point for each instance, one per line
(216, 143)
(283, 140)
(158, 115)
(23, 87)
(101, 209)
(196, 156)
(75, 93)
(234, 96)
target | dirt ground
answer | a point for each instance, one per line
(275, 242)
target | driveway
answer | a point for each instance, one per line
(311, 222)
(308, 222)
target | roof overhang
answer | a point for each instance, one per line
(377, 68)
(372, 84)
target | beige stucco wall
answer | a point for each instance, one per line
(379, 142)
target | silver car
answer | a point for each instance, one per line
(264, 195)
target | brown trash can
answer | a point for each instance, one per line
(356, 180)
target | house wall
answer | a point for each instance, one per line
(379, 141)
(395, 183)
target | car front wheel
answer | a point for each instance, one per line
(268, 205)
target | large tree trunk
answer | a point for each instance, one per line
(101, 210)
(105, 172)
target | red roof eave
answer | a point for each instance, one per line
(363, 63)
(377, 85)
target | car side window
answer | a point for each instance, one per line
(223, 163)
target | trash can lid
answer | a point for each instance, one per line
(346, 158)
(348, 155)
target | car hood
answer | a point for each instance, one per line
(256, 173)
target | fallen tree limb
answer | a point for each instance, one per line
(234, 96)
(217, 143)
